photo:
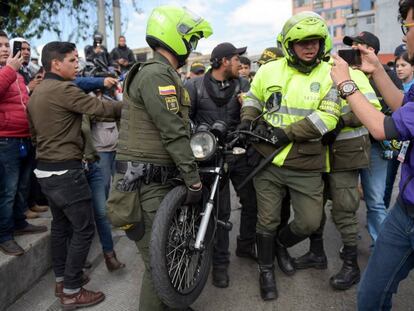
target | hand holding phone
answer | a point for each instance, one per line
(15, 61)
(17, 47)
(351, 56)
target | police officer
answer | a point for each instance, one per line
(215, 96)
(300, 105)
(349, 149)
(154, 130)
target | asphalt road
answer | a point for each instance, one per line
(306, 290)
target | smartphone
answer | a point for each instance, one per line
(17, 46)
(351, 56)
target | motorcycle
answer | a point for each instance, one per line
(182, 236)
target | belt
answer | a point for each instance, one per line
(152, 172)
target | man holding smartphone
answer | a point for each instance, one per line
(392, 258)
(373, 179)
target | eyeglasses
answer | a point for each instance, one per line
(406, 27)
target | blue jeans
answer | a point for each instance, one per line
(390, 262)
(14, 181)
(96, 183)
(392, 170)
(107, 165)
(373, 183)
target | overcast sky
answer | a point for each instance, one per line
(251, 23)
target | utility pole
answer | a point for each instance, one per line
(101, 19)
(332, 22)
(117, 20)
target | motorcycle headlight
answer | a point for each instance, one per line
(203, 145)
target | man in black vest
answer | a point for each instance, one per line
(216, 96)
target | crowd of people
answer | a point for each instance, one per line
(68, 143)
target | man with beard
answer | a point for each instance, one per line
(216, 96)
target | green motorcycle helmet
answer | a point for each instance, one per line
(177, 30)
(304, 26)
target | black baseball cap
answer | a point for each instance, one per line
(226, 49)
(364, 37)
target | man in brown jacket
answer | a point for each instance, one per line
(55, 113)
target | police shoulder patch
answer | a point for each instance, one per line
(172, 104)
(167, 90)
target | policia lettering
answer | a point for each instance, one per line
(154, 132)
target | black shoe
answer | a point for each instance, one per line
(311, 260)
(10, 247)
(265, 259)
(349, 273)
(284, 260)
(30, 229)
(246, 249)
(220, 277)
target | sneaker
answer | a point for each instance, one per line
(10, 247)
(30, 229)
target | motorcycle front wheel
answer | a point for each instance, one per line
(179, 272)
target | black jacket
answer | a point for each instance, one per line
(122, 52)
(205, 110)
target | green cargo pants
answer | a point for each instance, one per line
(150, 197)
(342, 189)
(306, 192)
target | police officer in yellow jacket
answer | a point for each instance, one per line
(301, 104)
(349, 150)
(154, 140)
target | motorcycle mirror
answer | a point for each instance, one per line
(238, 151)
(219, 128)
(274, 102)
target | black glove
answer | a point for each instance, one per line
(330, 137)
(253, 157)
(244, 125)
(278, 137)
(261, 129)
(193, 196)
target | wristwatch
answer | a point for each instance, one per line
(346, 88)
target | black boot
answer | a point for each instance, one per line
(265, 245)
(284, 260)
(246, 248)
(220, 276)
(315, 258)
(349, 273)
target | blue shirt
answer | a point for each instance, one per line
(407, 86)
(89, 84)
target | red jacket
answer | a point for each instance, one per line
(13, 101)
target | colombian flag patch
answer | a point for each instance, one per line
(167, 90)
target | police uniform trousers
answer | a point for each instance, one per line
(342, 189)
(151, 196)
(306, 192)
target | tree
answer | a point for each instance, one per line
(31, 18)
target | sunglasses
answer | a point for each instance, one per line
(406, 27)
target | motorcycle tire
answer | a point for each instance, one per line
(179, 272)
